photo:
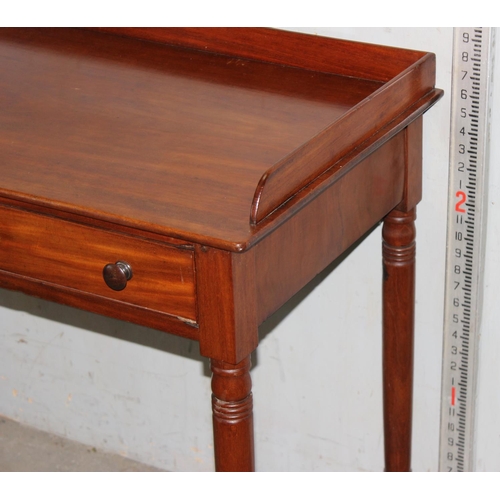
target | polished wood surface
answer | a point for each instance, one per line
(173, 140)
(192, 180)
(404, 77)
(170, 140)
(66, 253)
(356, 201)
(315, 53)
(399, 296)
(232, 407)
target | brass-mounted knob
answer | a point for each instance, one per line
(116, 275)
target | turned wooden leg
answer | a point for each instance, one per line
(398, 314)
(232, 416)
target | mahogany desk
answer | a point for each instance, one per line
(193, 180)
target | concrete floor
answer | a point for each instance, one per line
(24, 449)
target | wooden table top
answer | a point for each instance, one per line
(147, 135)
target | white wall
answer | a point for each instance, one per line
(317, 374)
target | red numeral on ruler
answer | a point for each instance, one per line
(462, 199)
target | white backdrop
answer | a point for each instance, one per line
(317, 372)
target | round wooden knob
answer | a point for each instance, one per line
(116, 275)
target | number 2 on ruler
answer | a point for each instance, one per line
(462, 199)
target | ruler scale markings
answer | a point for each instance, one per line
(471, 77)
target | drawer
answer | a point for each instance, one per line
(73, 255)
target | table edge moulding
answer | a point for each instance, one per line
(192, 180)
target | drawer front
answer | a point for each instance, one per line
(74, 256)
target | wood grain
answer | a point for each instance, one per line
(232, 407)
(312, 52)
(99, 305)
(70, 255)
(384, 107)
(413, 174)
(148, 136)
(398, 322)
(227, 303)
(301, 247)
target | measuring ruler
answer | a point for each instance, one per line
(467, 204)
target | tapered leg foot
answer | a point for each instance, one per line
(398, 317)
(232, 416)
